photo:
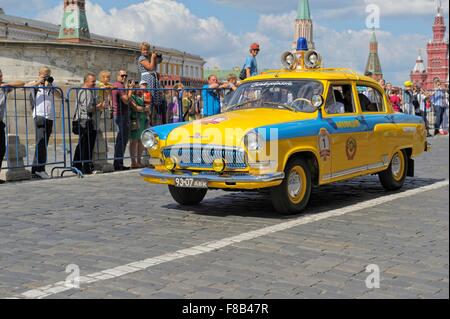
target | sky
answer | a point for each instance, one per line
(222, 30)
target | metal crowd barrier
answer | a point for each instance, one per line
(103, 146)
(31, 141)
(100, 146)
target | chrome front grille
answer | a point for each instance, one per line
(202, 156)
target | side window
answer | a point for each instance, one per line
(340, 100)
(371, 99)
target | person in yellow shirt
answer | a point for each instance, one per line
(102, 117)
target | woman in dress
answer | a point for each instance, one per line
(147, 66)
(138, 121)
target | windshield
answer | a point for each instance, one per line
(294, 95)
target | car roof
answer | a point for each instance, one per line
(322, 74)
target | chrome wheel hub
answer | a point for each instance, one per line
(294, 184)
(396, 165)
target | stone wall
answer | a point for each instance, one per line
(69, 62)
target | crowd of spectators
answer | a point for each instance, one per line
(131, 106)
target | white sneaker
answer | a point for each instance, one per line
(42, 175)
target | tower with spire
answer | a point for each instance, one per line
(304, 24)
(373, 62)
(74, 26)
(437, 51)
(419, 73)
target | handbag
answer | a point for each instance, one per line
(134, 125)
(243, 74)
(76, 127)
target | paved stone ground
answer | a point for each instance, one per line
(106, 221)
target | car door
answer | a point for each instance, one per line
(381, 127)
(348, 131)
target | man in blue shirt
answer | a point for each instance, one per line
(251, 66)
(440, 103)
(211, 98)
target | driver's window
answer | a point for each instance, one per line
(370, 99)
(340, 100)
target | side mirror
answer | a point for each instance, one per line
(317, 101)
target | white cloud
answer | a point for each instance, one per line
(162, 22)
(333, 8)
(171, 24)
(348, 48)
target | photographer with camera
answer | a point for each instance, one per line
(147, 66)
(42, 99)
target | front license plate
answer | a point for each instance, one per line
(190, 183)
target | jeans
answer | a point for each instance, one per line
(82, 159)
(440, 113)
(44, 130)
(410, 109)
(123, 131)
(2, 143)
(423, 114)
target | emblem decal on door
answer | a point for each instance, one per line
(351, 148)
(324, 144)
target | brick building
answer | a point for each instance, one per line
(437, 56)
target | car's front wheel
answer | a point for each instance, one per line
(292, 196)
(394, 177)
(187, 196)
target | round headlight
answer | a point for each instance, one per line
(253, 141)
(149, 139)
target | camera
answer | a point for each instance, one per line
(159, 57)
(49, 79)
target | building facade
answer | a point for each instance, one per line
(373, 62)
(70, 50)
(437, 56)
(419, 73)
(304, 24)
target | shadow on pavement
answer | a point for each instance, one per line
(324, 198)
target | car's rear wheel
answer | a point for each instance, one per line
(292, 196)
(187, 196)
(394, 177)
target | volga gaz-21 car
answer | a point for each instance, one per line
(287, 130)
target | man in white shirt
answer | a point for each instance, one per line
(42, 99)
(5, 88)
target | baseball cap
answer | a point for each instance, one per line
(408, 84)
(254, 46)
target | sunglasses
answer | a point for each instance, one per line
(124, 75)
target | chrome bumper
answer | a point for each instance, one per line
(210, 177)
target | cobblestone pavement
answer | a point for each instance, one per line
(106, 221)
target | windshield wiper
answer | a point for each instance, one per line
(286, 106)
(236, 106)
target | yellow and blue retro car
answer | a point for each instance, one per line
(287, 130)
